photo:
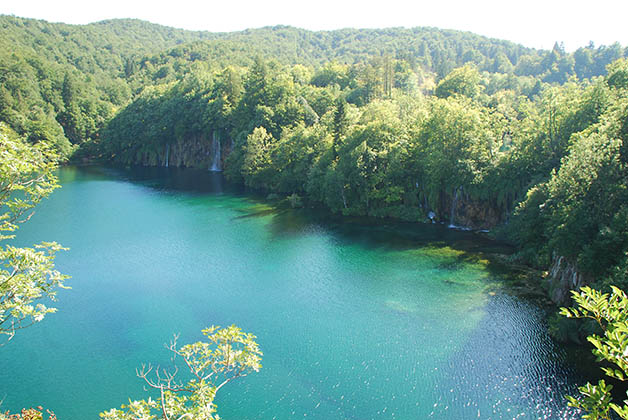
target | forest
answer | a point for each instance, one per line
(415, 124)
(423, 124)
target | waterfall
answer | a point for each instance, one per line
(453, 208)
(215, 153)
(167, 155)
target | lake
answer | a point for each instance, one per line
(356, 321)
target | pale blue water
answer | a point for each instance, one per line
(384, 322)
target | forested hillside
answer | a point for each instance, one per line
(62, 83)
(417, 124)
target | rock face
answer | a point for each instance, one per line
(201, 151)
(195, 152)
(563, 277)
(477, 214)
(461, 211)
(209, 150)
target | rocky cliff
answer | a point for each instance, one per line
(563, 277)
(200, 151)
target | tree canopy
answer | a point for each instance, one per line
(27, 275)
(610, 312)
(228, 354)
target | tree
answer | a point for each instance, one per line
(610, 312)
(464, 80)
(339, 127)
(618, 74)
(228, 354)
(454, 145)
(28, 414)
(257, 165)
(27, 275)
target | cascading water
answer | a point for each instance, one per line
(167, 155)
(453, 208)
(215, 154)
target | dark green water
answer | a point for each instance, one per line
(386, 322)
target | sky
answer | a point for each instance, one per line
(533, 23)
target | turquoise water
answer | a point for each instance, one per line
(355, 322)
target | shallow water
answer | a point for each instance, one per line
(355, 322)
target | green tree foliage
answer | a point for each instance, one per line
(257, 158)
(404, 123)
(63, 83)
(28, 414)
(27, 275)
(424, 152)
(610, 312)
(618, 74)
(228, 354)
(330, 74)
(461, 81)
(293, 156)
(457, 138)
(389, 123)
(580, 211)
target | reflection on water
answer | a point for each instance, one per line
(175, 179)
(356, 321)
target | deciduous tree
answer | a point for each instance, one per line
(27, 275)
(228, 353)
(610, 312)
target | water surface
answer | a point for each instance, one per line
(355, 322)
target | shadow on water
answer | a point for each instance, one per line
(478, 378)
(258, 210)
(462, 247)
(369, 233)
(195, 181)
(386, 233)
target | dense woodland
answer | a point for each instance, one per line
(420, 124)
(416, 124)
